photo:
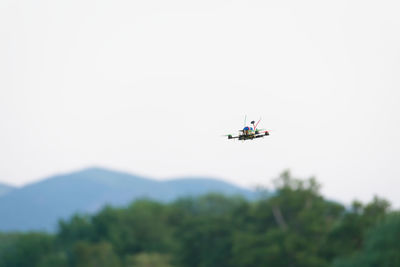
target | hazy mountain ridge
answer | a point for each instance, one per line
(5, 188)
(40, 205)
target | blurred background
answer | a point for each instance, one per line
(113, 115)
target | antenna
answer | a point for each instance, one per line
(255, 127)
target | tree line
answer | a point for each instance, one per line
(295, 226)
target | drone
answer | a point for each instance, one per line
(248, 132)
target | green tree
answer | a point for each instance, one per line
(295, 226)
(381, 247)
(78, 228)
(25, 249)
(140, 227)
(206, 230)
(288, 229)
(58, 259)
(148, 260)
(347, 237)
(94, 255)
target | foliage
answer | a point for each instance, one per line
(24, 249)
(381, 247)
(148, 260)
(294, 227)
(94, 255)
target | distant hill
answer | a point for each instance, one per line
(40, 205)
(4, 189)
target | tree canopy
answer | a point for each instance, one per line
(296, 226)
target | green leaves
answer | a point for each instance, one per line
(381, 246)
(295, 227)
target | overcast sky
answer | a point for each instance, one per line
(149, 87)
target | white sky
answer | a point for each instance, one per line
(149, 87)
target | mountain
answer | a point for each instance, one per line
(40, 205)
(4, 189)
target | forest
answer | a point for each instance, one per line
(294, 226)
